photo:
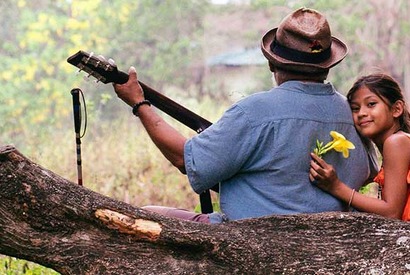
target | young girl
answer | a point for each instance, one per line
(380, 114)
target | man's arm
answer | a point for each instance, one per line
(168, 140)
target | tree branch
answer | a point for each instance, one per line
(49, 220)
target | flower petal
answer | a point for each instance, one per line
(336, 136)
(345, 153)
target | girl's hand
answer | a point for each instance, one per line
(323, 174)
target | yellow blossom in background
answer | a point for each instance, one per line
(339, 144)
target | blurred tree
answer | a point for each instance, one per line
(161, 37)
(165, 40)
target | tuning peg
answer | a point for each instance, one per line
(109, 64)
(89, 57)
(111, 61)
(100, 58)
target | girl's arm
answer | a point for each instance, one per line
(396, 159)
(396, 163)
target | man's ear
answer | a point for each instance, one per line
(271, 67)
(398, 108)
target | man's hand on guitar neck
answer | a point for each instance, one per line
(131, 91)
(168, 140)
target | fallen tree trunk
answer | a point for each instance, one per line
(49, 220)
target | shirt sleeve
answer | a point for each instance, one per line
(220, 151)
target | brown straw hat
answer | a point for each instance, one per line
(303, 43)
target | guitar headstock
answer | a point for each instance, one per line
(103, 70)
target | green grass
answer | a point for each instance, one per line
(13, 266)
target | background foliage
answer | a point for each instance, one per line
(170, 43)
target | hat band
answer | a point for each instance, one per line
(298, 56)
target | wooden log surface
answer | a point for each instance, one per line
(49, 220)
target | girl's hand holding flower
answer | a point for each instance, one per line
(323, 174)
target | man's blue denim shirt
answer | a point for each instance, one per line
(259, 151)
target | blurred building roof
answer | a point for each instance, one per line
(242, 57)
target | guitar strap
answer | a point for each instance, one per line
(206, 202)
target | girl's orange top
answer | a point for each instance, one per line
(380, 180)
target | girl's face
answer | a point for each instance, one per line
(372, 116)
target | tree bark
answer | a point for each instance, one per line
(49, 220)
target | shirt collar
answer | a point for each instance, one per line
(313, 88)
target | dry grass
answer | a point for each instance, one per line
(118, 158)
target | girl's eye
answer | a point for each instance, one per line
(354, 109)
(372, 104)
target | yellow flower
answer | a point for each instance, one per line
(339, 144)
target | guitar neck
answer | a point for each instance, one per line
(170, 107)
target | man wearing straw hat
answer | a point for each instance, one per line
(259, 150)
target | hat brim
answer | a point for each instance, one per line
(338, 53)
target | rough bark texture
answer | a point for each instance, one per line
(49, 220)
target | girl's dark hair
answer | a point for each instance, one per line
(387, 88)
